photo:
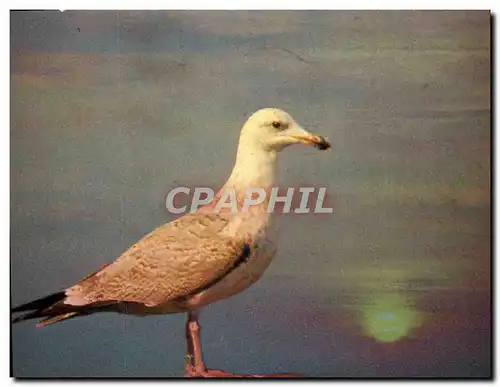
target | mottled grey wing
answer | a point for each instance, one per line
(172, 261)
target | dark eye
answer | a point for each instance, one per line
(276, 124)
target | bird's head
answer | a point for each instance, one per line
(273, 129)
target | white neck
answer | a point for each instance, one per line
(254, 167)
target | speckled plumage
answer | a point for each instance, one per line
(173, 261)
(198, 258)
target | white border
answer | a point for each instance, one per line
(250, 4)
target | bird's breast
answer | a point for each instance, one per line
(262, 235)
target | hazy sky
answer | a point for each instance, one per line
(110, 110)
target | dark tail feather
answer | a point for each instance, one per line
(47, 321)
(41, 303)
(50, 306)
(53, 309)
(27, 316)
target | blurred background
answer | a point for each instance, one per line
(110, 110)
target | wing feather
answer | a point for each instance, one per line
(170, 262)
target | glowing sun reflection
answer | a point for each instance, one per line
(389, 317)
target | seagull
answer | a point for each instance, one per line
(200, 257)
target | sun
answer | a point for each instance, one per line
(388, 318)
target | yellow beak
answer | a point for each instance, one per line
(304, 137)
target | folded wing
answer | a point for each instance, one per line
(173, 261)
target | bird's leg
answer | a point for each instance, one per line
(194, 358)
